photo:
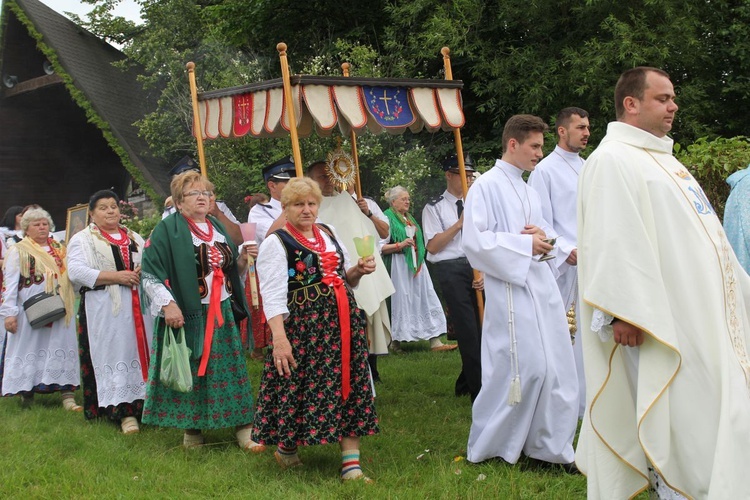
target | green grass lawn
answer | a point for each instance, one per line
(420, 452)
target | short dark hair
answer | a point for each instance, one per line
(632, 83)
(9, 219)
(519, 127)
(565, 114)
(314, 164)
(102, 194)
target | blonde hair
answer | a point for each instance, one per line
(299, 188)
(35, 214)
(392, 194)
(182, 181)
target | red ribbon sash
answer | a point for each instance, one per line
(140, 333)
(329, 261)
(214, 317)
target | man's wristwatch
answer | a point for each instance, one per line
(369, 214)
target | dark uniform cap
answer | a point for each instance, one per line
(452, 163)
(185, 164)
(282, 170)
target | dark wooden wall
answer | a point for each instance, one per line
(49, 153)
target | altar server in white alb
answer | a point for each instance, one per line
(668, 373)
(556, 181)
(529, 397)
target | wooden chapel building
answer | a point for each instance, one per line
(67, 115)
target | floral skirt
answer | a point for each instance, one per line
(307, 408)
(221, 398)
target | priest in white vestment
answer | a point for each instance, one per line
(528, 402)
(556, 181)
(664, 316)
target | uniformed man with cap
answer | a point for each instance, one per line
(219, 209)
(442, 220)
(266, 215)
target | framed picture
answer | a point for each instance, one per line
(78, 218)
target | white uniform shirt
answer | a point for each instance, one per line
(436, 219)
(264, 215)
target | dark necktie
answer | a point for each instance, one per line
(459, 207)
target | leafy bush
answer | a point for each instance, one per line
(142, 226)
(712, 161)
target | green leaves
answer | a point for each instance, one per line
(711, 161)
(514, 56)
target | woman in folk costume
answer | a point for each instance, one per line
(316, 387)
(43, 359)
(190, 277)
(416, 312)
(104, 262)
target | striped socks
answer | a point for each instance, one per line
(287, 457)
(350, 468)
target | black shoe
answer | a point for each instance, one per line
(27, 400)
(570, 468)
(566, 468)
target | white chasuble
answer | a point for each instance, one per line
(543, 424)
(653, 253)
(343, 213)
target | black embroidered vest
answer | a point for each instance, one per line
(204, 266)
(303, 268)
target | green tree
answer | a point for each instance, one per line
(514, 57)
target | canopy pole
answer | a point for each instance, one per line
(462, 170)
(289, 102)
(353, 139)
(197, 128)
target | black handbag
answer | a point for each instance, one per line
(239, 312)
(43, 308)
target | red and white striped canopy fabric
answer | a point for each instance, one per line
(323, 103)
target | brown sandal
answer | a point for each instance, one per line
(287, 462)
(69, 403)
(245, 441)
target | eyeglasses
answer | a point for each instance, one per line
(207, 194)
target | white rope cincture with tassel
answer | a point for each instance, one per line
(514, 394)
